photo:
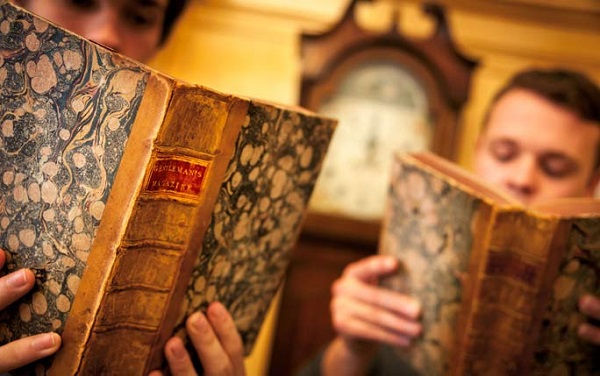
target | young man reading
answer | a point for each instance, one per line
(541, 140)
(137, 29)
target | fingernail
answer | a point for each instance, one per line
(44, 342)
(584, 301)
(390, 262)
(585, 331)
(216, 311)
(178, 351)
(17, 279)
(197, 321)
(588, 304)
(415, 308)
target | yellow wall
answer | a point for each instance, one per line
(249, 47)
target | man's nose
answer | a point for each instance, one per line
(104, 28)
(522, 179)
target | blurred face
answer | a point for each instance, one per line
(537, 150)
(130, 27)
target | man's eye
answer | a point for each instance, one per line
(503, 152)
(557, 167)
(83, 4)
(142, 19)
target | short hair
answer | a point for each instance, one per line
(174, 10)
(569, 89)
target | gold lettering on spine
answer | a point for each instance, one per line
(179, 176)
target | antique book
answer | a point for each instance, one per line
(137, 199)
(498, 282)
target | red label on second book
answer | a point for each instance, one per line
(173, 175)
(510, 265)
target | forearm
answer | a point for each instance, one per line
(344, 359)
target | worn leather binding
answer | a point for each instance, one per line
(499, 282)
(138, 199)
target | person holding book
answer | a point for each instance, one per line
(541, 140)
(137, 29)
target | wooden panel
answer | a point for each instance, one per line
(304, 324)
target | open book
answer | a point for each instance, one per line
(138, 199)
(499, 282)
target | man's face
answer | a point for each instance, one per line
(537, 150)
(130, 27)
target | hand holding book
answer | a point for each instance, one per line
(25, 350)
(589, 305)
(364, 314)
(362, 310)
(214, 336)
(215, 340)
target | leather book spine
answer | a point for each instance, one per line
(146, 261)
(510, 281)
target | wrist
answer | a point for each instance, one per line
(347, 357)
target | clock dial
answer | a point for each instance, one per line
(381, 109)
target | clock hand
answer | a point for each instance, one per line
(372, 142)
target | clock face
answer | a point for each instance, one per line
(382, 109)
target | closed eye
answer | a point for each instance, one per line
(557, 165)
(82, 4)
(504, 150)
(144, 13)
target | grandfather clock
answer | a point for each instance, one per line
(391, 93)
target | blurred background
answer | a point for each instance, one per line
(252, 48)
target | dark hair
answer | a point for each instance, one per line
(172, 13)
(569, 89)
